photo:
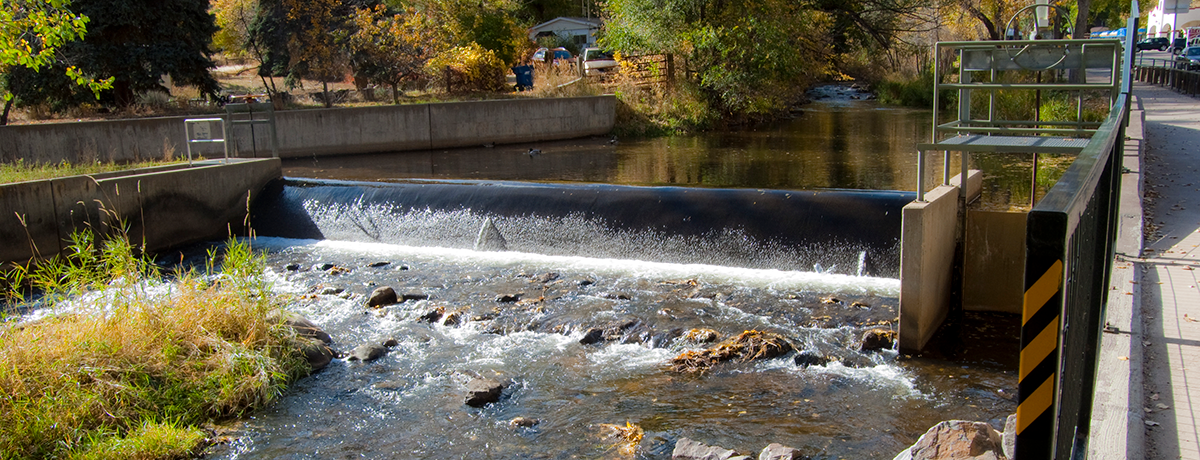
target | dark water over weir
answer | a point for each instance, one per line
(853, 232)
(790, 229)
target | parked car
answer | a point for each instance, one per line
(597, 62)
(1178, 45)
(1156, 43)
(1189, 59)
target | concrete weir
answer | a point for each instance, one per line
(159, 207)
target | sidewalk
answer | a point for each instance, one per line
(1169, 286)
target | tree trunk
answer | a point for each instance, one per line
(1081, 20)
(7, 106)
(328, 100)
(395, 93)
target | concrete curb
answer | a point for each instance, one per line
(1117, 425)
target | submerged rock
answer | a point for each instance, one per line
(748, 346)
(810, 358)
(390, 342)
(878, 339)
(292, 267)
(481, 392)
(956, 439)
(432, 315)
(332, 291)
(509, 298)
(592, 335)
(453, 319)
(368, 352)
(523, 422)
(414, 296)
(381, 297)
(489, 238)
(687, 449)
(382, 263)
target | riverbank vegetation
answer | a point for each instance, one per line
(731, 62)
(128, 364)
(21, 171)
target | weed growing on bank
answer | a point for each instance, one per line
(21, 171)
(130, 365)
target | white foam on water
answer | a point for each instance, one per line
(749, 277)
(882, 377)
(629, 357)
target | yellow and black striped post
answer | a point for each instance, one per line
(1037, 388)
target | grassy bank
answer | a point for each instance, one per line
(22, 171)
(131, 366)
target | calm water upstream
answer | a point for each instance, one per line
(646, 287)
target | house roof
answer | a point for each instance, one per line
(565, 23)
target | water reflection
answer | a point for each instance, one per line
(846, 145)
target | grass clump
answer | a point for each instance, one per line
(130, 365)
(21, 171)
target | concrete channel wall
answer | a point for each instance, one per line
(159, 207)
(322, 132)
(929, 233)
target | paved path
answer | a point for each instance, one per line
(1170, 274)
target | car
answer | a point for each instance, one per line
(1155, 43)
(597, 62)
(1178, 45)
(1189, 59)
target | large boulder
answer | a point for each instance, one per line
(957, 440)
(489, 238)
(481, 392)
(687, 449)
(381, 297)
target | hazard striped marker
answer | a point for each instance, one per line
(1036, 391)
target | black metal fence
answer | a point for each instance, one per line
(1069, 254)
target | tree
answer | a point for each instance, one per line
(31, 32)
(492, 24)
(316, 49)
(140, 41)
(392, 49)
(234, 18)
(750, 57)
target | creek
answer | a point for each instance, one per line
(790, 228)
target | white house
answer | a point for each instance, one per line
(1165, 22)
(581, 31)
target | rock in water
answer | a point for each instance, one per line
(687, 449)
(878, 339)
(489, 238)
(775, 451)
(749, 346)
(481, 392)
(593, 335)
(302, 326)
(810, 358)
(957, 439)
(369, 352)
(317, 354)
(382, 296)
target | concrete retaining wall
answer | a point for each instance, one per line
(321, 132)
(929, 234)
(160, 207)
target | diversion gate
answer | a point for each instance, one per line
(1070, 233)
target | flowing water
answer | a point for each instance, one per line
(790, 229)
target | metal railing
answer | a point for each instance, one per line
(1174, 73)
(1070, 237)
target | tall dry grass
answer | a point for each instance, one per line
(129, 363)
